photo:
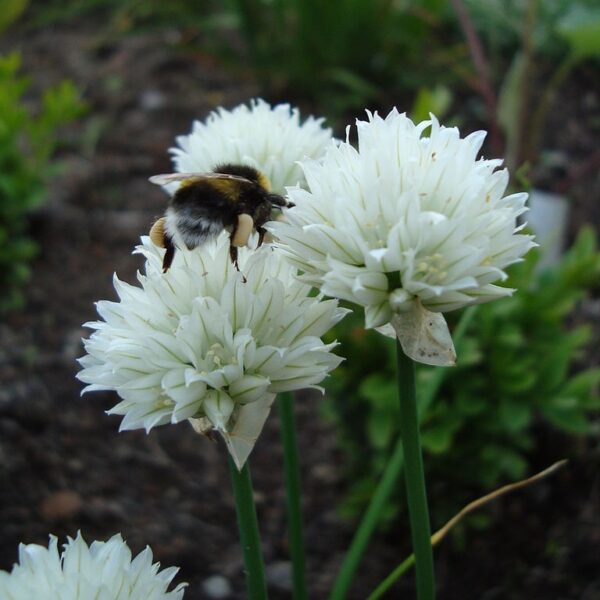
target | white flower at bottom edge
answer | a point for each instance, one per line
(408, 226)
(102, 571)
(206, 342)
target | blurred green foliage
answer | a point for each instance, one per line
(501, 22)
(11, 11)
(580, 29)
(549, 39)
(517, 366)
(27, 141)
(344, 53)
(125, 16)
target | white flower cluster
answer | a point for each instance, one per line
(408, 221)
(204, 341)
(270, 139)
(102, 571)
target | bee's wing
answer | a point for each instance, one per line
(171, 177)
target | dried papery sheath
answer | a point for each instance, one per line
(101, 571)
(270, 139)
(210, 343)
(409, 225)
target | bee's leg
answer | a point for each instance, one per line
(261, 235)
(169, 254)
(233, 255)
(239, 236)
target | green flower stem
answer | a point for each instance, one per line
(368, 523)
(440, 534)
(414, 477)
(248, 528)
(388, 480)
(285, 404)
(391, 579)
(538, 118)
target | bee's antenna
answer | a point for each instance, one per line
(279, 201)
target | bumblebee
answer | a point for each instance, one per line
(233, 197)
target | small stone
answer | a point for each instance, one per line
(216, 586)
(61, 506)
(279, 575)
(100, 510)
(325, 473)
(152, 100)
(72, 344)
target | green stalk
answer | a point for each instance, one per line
(391, 579)
(248, 528)
(414, 477)
(388, 480)
(285, 404)
(440, 534)
(247, 12)
(538, 117)
(368, 523)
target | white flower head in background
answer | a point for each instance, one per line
(102, 571)
(206, 343)
(269, 139)
(409, 225)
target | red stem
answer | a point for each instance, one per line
(486, 89)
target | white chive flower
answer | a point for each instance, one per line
(102, 571)
(409, 225)
(270, 139)
(208, 343)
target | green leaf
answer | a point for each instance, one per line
(564, 403)
(515, 415)
(511, 336)
(581, 30)
(585, 245)
(435, 100)
(516, 377)
(27, 140)
(509, 102)
(582, 383)
(553, 372)
(505, 460)
(380, 390)
(11, 11)
(468, 353)
(380, 429)
(469, 403)
(437, 439)
(353, 83)
(568, 418)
